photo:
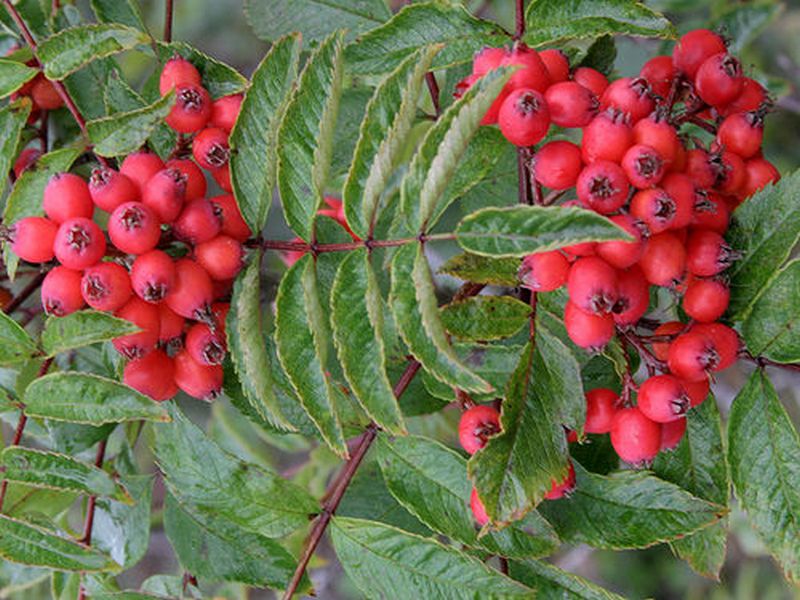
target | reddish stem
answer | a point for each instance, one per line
(519, 19)
(25, 293)
(433, 89)
(90, 509)
(168, 12)
(524, 195)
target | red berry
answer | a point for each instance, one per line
(210, 148)
(662, 398)
(192, 293)
(672, 433)
(664, 260)
(533, 75)
(109, 188)
(106, 286)
(222, 176)
(602, 186)
(730, 170)
(61, 292)
(751, 97)
(192, 109)
(195, 180)
(140, 166)
(725, 339)
(758, 173)
(635, 438)
(629, 95)
(233, 223)
(178, 72)
(557, 165)
(694, 48)
(66, 196)
(33, 239)
(79, 243)
(145, 316)
(478, 510)
(607, 137)
(655, 208)
(524, 118)
(25, 160)
(476, 426)
(556, 63)
(706, 300)
(152, 375)
(170, 333)
(643, 166)
(707, 253)
(661, 349)
(225, 110)
(165, 194)
(220, 311)
(656, 131)
(203, 382)
(633, 296)
(205, 346)
(153, 275)
(592, 285)
(221, 257)
(710, 212)
(45, 96)
(601, 406)
(591, 79)
(742, 133)
(684, 194)
(621, 254)
(696, 390)
(488, 58)
(562, 488)
(659, 72)
(198, 223)
(134, 228)
(692, 355)
(544, 271)
(699, 168)
(588, 330)
(570, 104)
(719, 79)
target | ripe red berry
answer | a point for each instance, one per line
(591, 79)
(742, 133)
(672, 433)
(633, 296)
(556, 63)
(602, 186)
(152, 375)
(61, 292)
(643, 166)
(192, 293)
(692, 355)
(106, 286)
(659, 72)
(710, 212)
(662, 399)
(79, 243)
(198, 222)
(706, 300)
(730, 171)
(544, 271)
(524, 118)
(233, 223)
(140, 166)
(557, 164)
(109, 188)
(719, 79)
(153, 275)
(220, 311)
(725, 340)
(699, 168)
(192, 109)
(145, 316)
(751, 97)
(629, 95)
(25, 160)
(758, 173)
(663, 261)
(657, 132)
(476, 426)
(607, 137)
(635, 438)
(222, 176)
(570, 104)
(66, 196)
(134, 228)
(655, 208)
(33, 239)
(221, 257)
(588, 330)
(165, 194)
(671, 328)
(622, 254)
(533, 74)
(684, 194)
(210, 148)
(592, 285)
(203, 382)
(45, 96)
(225, 111)
(696, 390)
(170, 333)
(487, 58)
(562, 488)
(205, 346)
(178, 72)
(694, 48)
(601, 406)
(478, 510)
(195, 180)
(707, 253)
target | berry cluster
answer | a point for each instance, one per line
(168, 255)
(668, 187)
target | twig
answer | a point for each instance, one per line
(168, 12)
(766, 362)
(524, 195)
(552, 197)
(90, 508)
(433, 89)
(649, 358)
(519, 19)
(25, 293)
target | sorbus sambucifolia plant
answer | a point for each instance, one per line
(562, 394)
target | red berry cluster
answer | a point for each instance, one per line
(171, 253)
(669, 189)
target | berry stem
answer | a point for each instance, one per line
(649, 358)
(25, 293)
(524, 195)
(433, 89)
(519, 17)
(90, 508)
(168, 12)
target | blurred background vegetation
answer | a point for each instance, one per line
(766, 36)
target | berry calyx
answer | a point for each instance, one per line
(153, 275)
(61, 292)
(106, 286)
(524, 118)
(476, 426)
(79, 243)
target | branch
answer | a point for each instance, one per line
(90, 508)
(766, 362)
(26, 292)
(524, 195)
(168, 12)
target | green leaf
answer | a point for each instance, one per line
(214, 484)
(124, 133)
(314, 19)
(523, 230)
(422, 24)
(483, 269)
(601, 55)
(763, 447)
(553, 20)
(764, 229)
(82, 328)
(770, 330)
(382, 139)
(518, 466)
(91, 399)
(357, 323)
(13, 75)
(70, 49)
(32, 545)
(438, 159)
(15, 343)
(245, 331)
(59, 471)
(699, 466)
(550, 582)
(385, 562)
(627, 509)
(123, 530)
(301, 335)
(12, 121)
(228, 554)
(485, 317)
(218, 78)
(430, 481)
(119, 11)
(306, 135)
(413, 302)
(253, 139)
